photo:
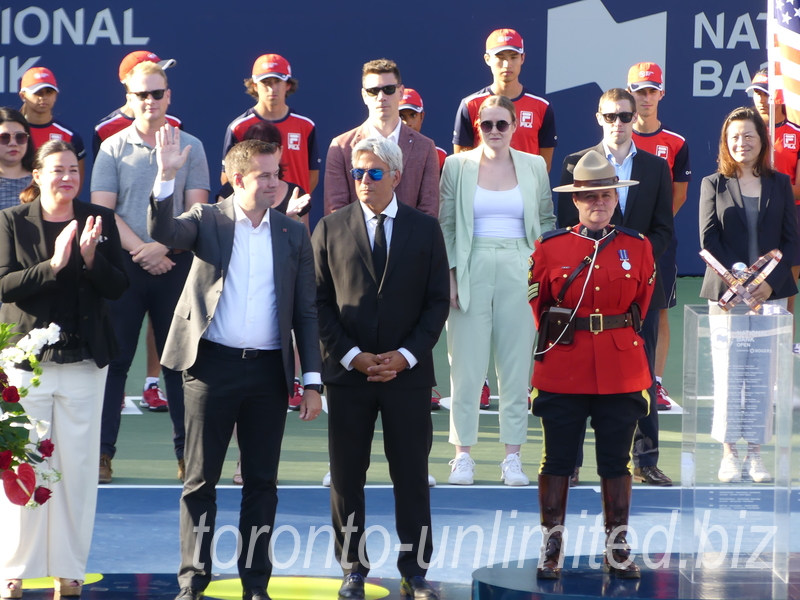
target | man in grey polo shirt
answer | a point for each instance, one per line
(122, 177)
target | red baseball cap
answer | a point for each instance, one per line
(412, 100)
(140, 56)
(37, 78)
(504, 39)
(271, 65)
(760, 82)
(645, 75)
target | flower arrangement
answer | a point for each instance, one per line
(21, 461)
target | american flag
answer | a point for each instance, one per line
(783, 29)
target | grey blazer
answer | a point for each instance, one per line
(207, 230)
(723, 230)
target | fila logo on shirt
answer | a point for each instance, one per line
(56, 137)
(293, 140)
(790, 141)
(662, 151)
(526, 119)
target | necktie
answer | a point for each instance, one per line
(379, 248)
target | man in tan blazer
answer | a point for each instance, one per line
(382, 92)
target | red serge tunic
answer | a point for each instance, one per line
(609, 362)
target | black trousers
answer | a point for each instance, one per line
(645, 439)
(613, 418)
(407, 434)
(157, 296)
(223, 390)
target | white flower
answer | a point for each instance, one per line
(53, 332)
(11, 356)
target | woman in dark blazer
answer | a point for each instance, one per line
(60, 259)
(746, 210)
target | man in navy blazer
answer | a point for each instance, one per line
(383, 298)
(646, 208)
(250, 285)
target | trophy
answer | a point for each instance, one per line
(743, 280)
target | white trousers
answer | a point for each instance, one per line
(53, 540)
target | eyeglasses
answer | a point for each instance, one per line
(20, 137)
(502, 126)
(374, 174)
(386, 89)
(156, 94)
(625, 117)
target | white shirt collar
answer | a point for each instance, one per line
(394, 136)
(240, 216)
(610, 156)
(390, 210)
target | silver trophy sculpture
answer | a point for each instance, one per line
(743, 280)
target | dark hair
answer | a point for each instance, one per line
(8, 114)
(264, 131)
(381, 65)
(30, 193)
(250, 86)
(239, 158)
(726, 164)
(617, 95)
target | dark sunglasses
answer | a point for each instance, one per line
(502, 126)
(374, 174)
(386, 89)
(625, 117)
(156, 94)
(20, 137)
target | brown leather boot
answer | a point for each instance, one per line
(616, 494)
(553, 491)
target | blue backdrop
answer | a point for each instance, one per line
(574, 50)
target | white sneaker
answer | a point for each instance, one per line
(326, 481)
(729, 469)
(755, 467)
(512, 473)
(462, 470)
(431, 481)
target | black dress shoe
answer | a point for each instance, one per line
(189, 593)
(352, 587)
(256, 593)
(651, 475)
(416, 587)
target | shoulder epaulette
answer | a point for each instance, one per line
(630, 232)
(553, 233)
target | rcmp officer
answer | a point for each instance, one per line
(589, 287)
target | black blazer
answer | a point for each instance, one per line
(25, 273)
(407, 310)
(723, 230)
(648, 208)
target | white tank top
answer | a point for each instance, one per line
(498, 214)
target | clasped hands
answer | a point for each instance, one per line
(380, 367)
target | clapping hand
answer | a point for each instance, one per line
(63, 246)
(90, 238)
(297, 203)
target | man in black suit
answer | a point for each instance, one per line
(383, 298)
(646, 208)
(251, 284)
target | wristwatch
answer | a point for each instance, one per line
(314, 387)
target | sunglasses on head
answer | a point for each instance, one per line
(374, 174)
(502, 126)
(156, 94)
(386, 89)
(20, 137)
(625, 117)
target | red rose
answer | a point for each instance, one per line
(41, 495)
(10, 394)
(46, 448)
(5, 460)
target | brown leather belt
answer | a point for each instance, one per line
(597, 322)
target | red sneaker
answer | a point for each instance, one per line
(297, 396)
(485, 397)
(435, 397)
(153, 399)
(663, 401)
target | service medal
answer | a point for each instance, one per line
(623, 256)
